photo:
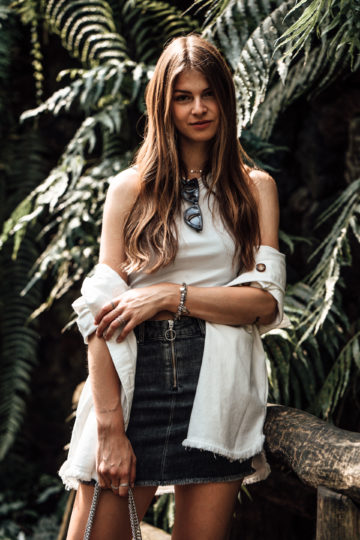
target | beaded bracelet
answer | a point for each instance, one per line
(182, 308)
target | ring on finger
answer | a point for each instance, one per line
(124, 485)
(121, 320)
(115, 487)
(113, 305)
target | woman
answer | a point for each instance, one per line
(186, 220)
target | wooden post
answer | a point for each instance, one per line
(66, 517)
(338, 518)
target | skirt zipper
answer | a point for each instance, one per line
(170, 335)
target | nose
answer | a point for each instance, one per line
(199, 106)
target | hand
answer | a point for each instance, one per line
(133, 307)
(115, 463)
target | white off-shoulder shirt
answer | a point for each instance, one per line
(230, 402)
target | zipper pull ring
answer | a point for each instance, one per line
(170, 333)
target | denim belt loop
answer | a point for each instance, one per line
(140, 332)
(202, 326)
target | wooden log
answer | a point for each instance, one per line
(317, 451)
(338, 518)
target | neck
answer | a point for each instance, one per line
(194, 155)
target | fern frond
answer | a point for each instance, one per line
(337, 379)
(254, 68)
(290, 239)
(278, 352)
(47, 195)
(267, 78)
(87, 30)
(148, 25)
(339, 19)
(95, 88)
(309, 75)
(295, 365)
(231, 23)
(213, 9)
(74, 242)
(9, 36)
(19, 340)
(335, 253)
(29, 13)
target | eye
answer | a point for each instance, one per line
(181, 97)
(208, 93)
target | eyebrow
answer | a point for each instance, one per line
(188, 91)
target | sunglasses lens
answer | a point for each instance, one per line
(190, 191)
(193, 218)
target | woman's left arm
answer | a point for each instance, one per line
(224, 305)
(245, 304)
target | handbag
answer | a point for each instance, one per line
(134, 520)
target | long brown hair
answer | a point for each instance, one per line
(151, 239)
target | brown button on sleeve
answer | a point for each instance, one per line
(261, 267)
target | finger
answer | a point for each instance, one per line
(133, 471)
(110, 306)
(104, 473)
(125, 331)
(124, 486)
(106, 323)
(115, 485)
(103, 480)
(116, 323)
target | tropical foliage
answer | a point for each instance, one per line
(279, 51)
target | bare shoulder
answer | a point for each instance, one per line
(124, 187)
(120, 198)
(265, 192)
(263, 185)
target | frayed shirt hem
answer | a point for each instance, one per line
(231, 455)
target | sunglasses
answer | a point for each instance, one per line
(190, 193)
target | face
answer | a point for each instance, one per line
(195, 110)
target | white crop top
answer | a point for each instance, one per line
(203, 259)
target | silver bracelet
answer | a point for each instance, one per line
(182, 309)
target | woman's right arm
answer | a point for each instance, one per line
(115, 458)
(115, 461)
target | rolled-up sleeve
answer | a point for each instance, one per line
(98, 288)
(269, 273)
(85, 319)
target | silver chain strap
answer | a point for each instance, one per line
(92, 512)
(134, 520)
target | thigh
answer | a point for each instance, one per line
(112, 514)
(204, 511)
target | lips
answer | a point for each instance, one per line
(202, 123)
(201, 126)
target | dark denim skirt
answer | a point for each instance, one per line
(167, 371)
